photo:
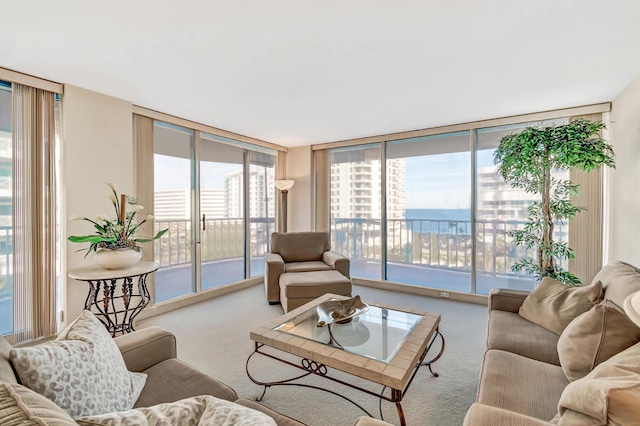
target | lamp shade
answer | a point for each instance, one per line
(632, 307)
(284, 185)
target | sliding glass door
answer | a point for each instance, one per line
(217, 198)
(222, 211)
(356, 207)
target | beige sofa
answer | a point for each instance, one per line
(153, 351)
(523, 381)
(301, 267)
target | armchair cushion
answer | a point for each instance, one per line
(300, 246)
(313, 265)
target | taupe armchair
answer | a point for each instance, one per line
(301, 266)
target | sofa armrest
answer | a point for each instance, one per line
(142, 349)
(484, 415)
(273, 268)
(337, 261)
(504, 299)
(370, 421)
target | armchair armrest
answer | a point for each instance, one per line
(484, 415)
(504, 299)
(273, 268)
(337, 261)
(147, 347)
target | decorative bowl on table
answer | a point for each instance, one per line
(340, 311)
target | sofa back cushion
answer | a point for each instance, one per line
(619, 280)
(7, 375)
(554, 305)
(594, 337)
(300, 246)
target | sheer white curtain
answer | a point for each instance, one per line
(35, 226)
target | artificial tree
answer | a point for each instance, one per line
(526, 161)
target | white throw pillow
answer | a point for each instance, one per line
(203, 410)
(82, 371)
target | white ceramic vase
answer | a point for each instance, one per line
(117, 259)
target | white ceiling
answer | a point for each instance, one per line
(298, 72)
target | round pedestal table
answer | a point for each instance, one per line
(116, 296)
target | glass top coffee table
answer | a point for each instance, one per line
(385, 345)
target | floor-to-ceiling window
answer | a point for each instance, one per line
(173, 209)
(217, 198)
(442, 217)
(429, 211)
(356, 207)
(6, 216)
(501, 208)
(29, 210)
(262, 207)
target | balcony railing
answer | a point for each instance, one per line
(434, 242)
(221, 238)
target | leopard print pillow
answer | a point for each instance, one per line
(82, 371)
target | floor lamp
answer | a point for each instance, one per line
(284, 186)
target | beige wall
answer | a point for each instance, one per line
(300, 196)
(98, 148)
(624, 223)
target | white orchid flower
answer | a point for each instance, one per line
(76, 216)
(138, 208)
(112, 198)
(112, 186)
(102, 218)
(149, 217)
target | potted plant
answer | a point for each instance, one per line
(526, 161)
(116, 243)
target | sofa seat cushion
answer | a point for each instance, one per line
(313, 284)
(172, 380)
(21, 406)
(523, 385)
(312, 265)
(483, 415)
(510, 332)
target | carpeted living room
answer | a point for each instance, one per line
(349, 213)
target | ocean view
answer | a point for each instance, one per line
(442, 221)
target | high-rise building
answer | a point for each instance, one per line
(356, 194)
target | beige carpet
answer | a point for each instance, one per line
(213, 336)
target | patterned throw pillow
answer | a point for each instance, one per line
(201, 410)
(82, 371)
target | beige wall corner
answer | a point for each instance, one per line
(624, 226)
(97, 148)
(300, 196)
